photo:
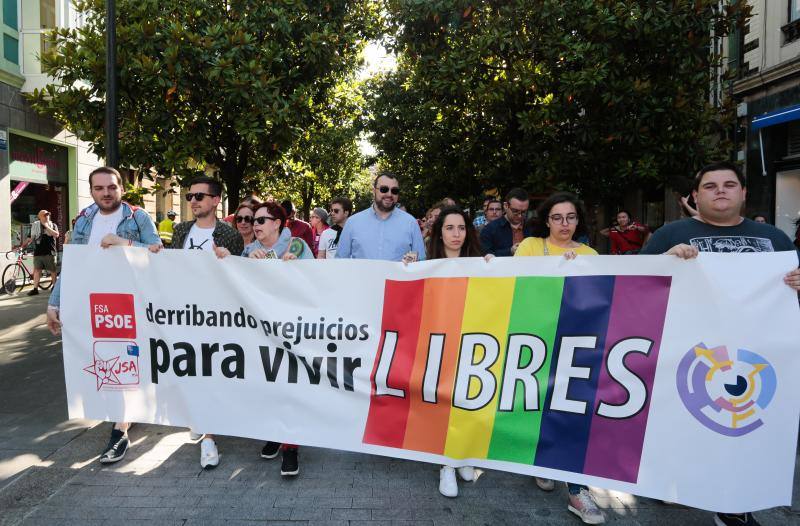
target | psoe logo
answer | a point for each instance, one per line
(115, 365)
(113, 316)
(726, 392)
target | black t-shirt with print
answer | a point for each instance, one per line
(747, 236)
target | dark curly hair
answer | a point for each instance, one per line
(539, 226)
(471, 246)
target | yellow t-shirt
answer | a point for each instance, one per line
(534, 246)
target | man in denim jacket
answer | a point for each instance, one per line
(108, 222)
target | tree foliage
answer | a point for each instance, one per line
(326, 161)
(593, 95)
(227, 83)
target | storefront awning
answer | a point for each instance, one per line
(772, 118)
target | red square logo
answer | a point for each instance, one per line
(113, 316)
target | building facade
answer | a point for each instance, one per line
(42, 165)
(763, 60)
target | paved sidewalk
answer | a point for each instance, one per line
(49, 474)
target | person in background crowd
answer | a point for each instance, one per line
(165, 228)
(298, 227)
(492, 209)
(430, 218)
(719, 191)
(381, 231)
(206, 232)
(797, 233)
(453, 236)
(560, 220)
(341, 208)
(243, 218)
(44, 236)
(68, 233)
(760, 218)
(502, 236)
(319, 224)
(251, 200)
(627, 236)
(106, 223)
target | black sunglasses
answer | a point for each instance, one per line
(263, 219)
(244, 219)
(385, 190)
(198, 196)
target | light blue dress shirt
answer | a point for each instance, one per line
(367, 236)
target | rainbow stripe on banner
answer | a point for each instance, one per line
(441, 381)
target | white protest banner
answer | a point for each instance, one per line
(646, 374)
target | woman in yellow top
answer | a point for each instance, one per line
(559, 220)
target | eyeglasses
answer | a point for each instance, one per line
(496, 209)
(516, 212)
(197, 196)
(571, 219)
(244, 219)
(385, 190)
(335, 211)
(263, 219)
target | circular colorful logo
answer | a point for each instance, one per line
(724, 394)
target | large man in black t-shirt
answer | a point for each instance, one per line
(720, 191)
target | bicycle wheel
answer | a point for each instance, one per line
(13, 278)
(46, 281)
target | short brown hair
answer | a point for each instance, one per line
(106, 170)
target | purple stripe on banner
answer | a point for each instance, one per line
(615, 444)
(564, 434)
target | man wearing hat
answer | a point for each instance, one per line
(319, 224)
(44, 235)
(165, 228)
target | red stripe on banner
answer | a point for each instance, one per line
(402, 312)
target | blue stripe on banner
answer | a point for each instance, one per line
(585, 311)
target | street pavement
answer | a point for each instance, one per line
(49, 474)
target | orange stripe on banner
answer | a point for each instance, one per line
(442, 311)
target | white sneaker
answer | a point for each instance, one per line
(194, 437)
(584, 507)
(447, 482)
(466, 473)
(545, 484)
(209, 456)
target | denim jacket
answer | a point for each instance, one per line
(136, 226)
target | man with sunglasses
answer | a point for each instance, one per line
(502, 236)
(341, 208)
(208, 233)
(382, 231)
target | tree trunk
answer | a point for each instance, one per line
(232, 177)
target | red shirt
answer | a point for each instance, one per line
(302, 230)
(625, 241)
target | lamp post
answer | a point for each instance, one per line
(112, 126)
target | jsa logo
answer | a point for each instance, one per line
(113, 316)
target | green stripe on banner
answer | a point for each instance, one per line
(537, 304)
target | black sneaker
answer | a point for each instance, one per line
(116, 448)
(34, 292)
(289, 466)
(735, 519)
(270, 450)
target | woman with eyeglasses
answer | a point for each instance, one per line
(243, 219)
(273, 240)
(453, 235)
(560, 220)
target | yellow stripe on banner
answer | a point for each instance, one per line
(487, 311)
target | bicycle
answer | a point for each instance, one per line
(16, 275)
